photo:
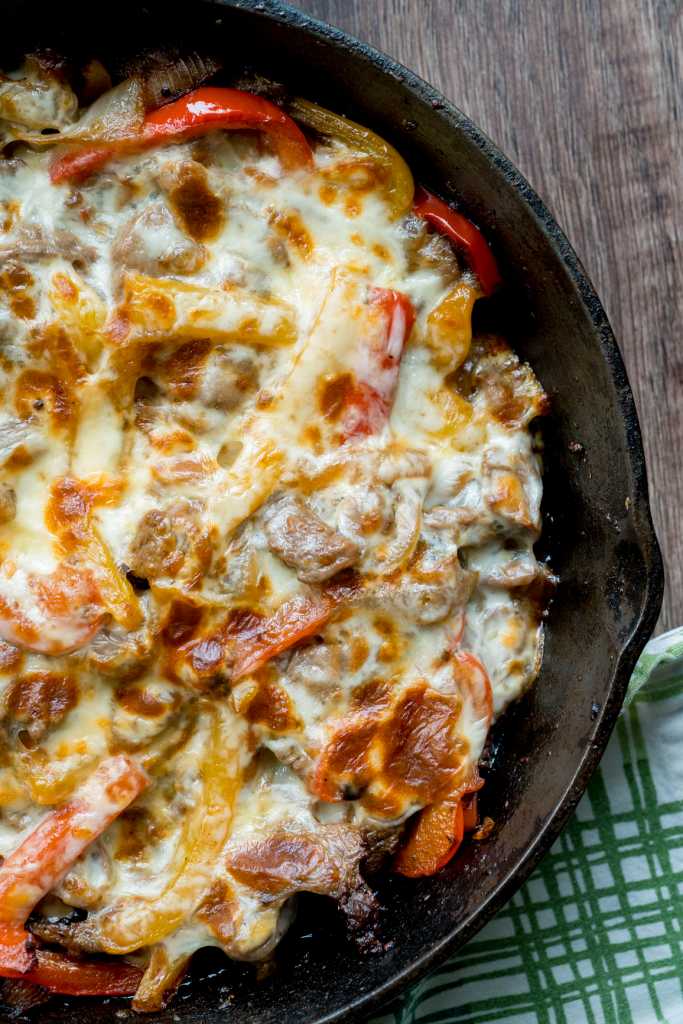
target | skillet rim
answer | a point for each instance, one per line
(652, 581)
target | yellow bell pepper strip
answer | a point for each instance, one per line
(138, 922)
(462, 233)
(449, 327)
(69, 517)
(200, 111)
(400, 185)
(163, 975)
(46, 855)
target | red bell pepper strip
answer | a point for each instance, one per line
(265, 638)
(57, 842)
(197, 113)
(473, 681)
(44, 857)
(68, 976)
(462, 233)
(369, 401)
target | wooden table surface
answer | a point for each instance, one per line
(585, 97)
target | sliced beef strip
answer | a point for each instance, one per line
(304, 542)
(229, 379)
(31, 242)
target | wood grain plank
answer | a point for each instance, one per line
(586, 99)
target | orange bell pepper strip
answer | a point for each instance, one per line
(263, 639)
(464, 235)
(438, 833)
(369, 401)
(197, 113)
(45, 856)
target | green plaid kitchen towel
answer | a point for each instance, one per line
(596, 934)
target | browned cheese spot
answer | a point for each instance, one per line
(334, 395)
(16, 283)
(199, 210)
(292, 230)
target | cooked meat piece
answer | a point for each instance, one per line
(144, 710)
(511, 486)
(509, 388)
(286, 862)
(501, 568)
(61, 931)
(200, 211)
(303, 541)
(31, 243)
(39, 701)
(380, 844)
(229, 378)
(119, 653)
(8, 503)
(428, 250)
(155, 548)
(152, 243)
(317, 667)
(15, 434)
(170, 541)
(360, 908)
(428, 593)
(75, 933)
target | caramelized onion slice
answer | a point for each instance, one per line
(117, 114)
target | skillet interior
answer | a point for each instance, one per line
(597, 534)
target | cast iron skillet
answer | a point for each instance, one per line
(598, 533)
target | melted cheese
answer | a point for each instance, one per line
(184, 387)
